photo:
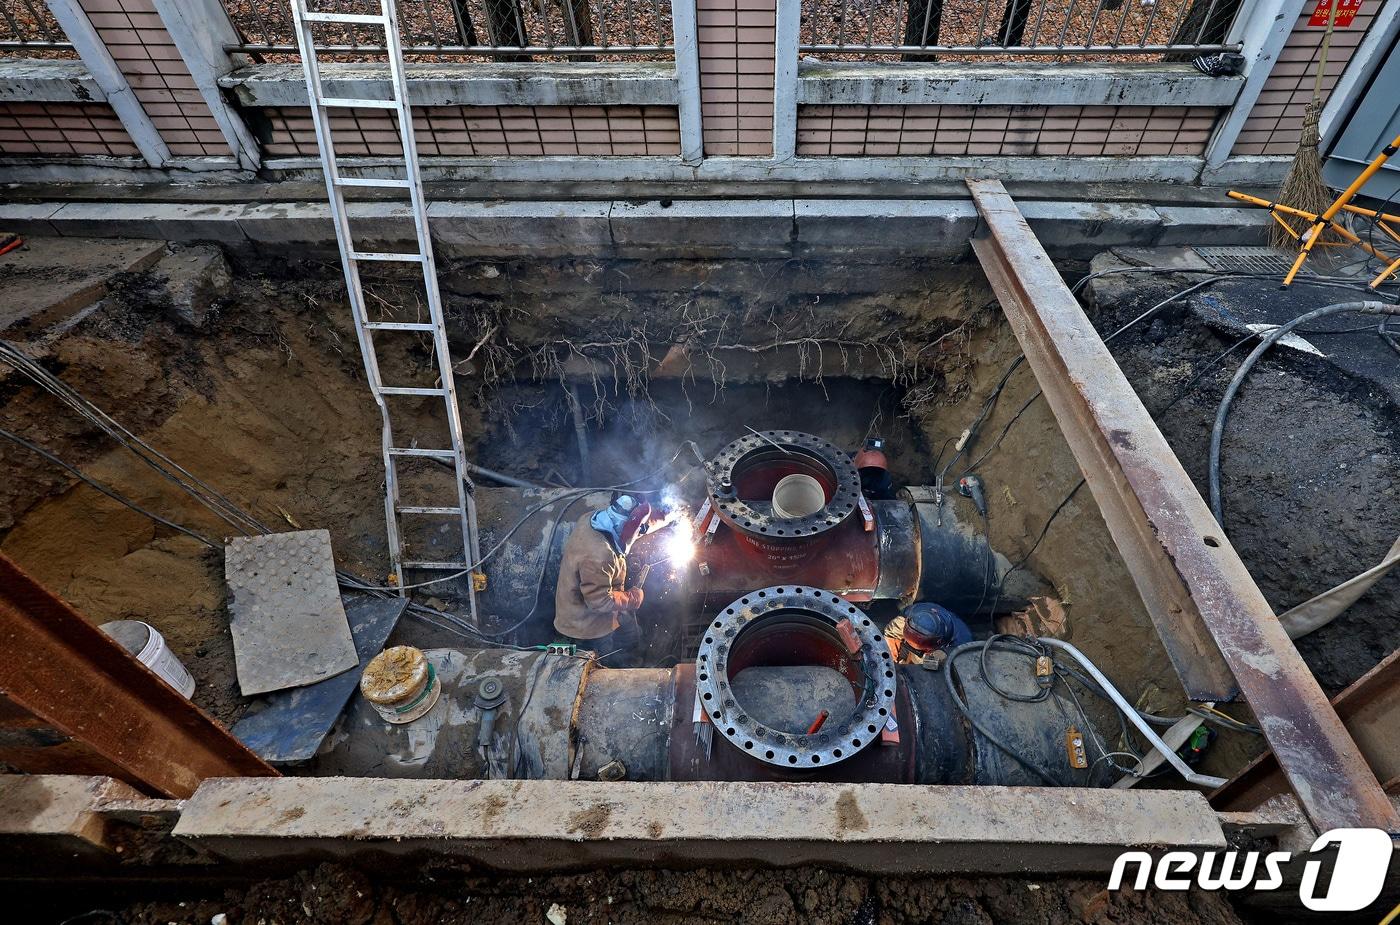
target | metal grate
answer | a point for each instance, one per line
(1094, 30)
(1245, 259)
(506, 30)
(29, 28)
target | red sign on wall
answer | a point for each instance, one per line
(1346, 12)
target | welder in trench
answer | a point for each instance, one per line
(593, 606)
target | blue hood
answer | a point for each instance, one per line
(609, 523)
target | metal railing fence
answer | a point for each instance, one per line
(499, 29)
(1111, 30)
(27, 27)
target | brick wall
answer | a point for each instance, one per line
(465, 131)
(890, 130)
(146, 55)
(62, 130)
(1275, 124)
(736, 75)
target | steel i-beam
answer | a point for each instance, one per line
(1219, 631)
(120, 715)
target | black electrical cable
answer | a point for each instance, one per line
(1218, 429)
(111, 493)
(1061, 674)
(1046, 529)
(976, 425)
(1013, 643)
(544, 571)
(1201, 373)
(949, 669)
(988, 561)
(344, 579)
(220, 505)
(574, 493)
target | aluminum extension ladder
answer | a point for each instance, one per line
(396, 450)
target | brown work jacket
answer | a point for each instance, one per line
(585, 605)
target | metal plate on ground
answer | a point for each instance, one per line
(290, 726)
(285, 613)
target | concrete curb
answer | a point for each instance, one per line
(695, 227)
(529, 825)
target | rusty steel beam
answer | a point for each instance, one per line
(1212, 618)
(1369, 708)
(75, 679)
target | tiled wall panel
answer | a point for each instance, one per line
(1090, 131)
(736, 75)
(62, 130)
(467, 131)
(1275, 124)
(159, 79)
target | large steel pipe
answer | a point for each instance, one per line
(792, 683)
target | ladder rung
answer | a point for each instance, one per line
(368, 255)
(416, 451)
(369, 19)
(407, 390)
(411, 509)
(371, 181)
(455, 566)
(341, 102)
(399, 326)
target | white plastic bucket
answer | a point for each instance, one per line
(148, 645)
(797, 495)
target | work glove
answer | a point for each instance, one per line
(634, 599)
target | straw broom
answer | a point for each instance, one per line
(1304, 187)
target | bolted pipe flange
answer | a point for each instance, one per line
(793, 624)
(767, 456)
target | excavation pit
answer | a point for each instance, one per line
(265, 401)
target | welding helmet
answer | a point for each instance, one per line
(624, 520)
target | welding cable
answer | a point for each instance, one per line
(111, 493)
(1137, 320)
(1031, 648)
(211, 498)
(544, 571)
(1001, 384)
(344, 579)
(949, 670)
(1201, 373)
(1013, 644)
(208, 496)
(216, 502)
(1217, 432)
(1217, 718)
(574, 493)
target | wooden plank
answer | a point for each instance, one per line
(76, 680)
(1211, 616)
